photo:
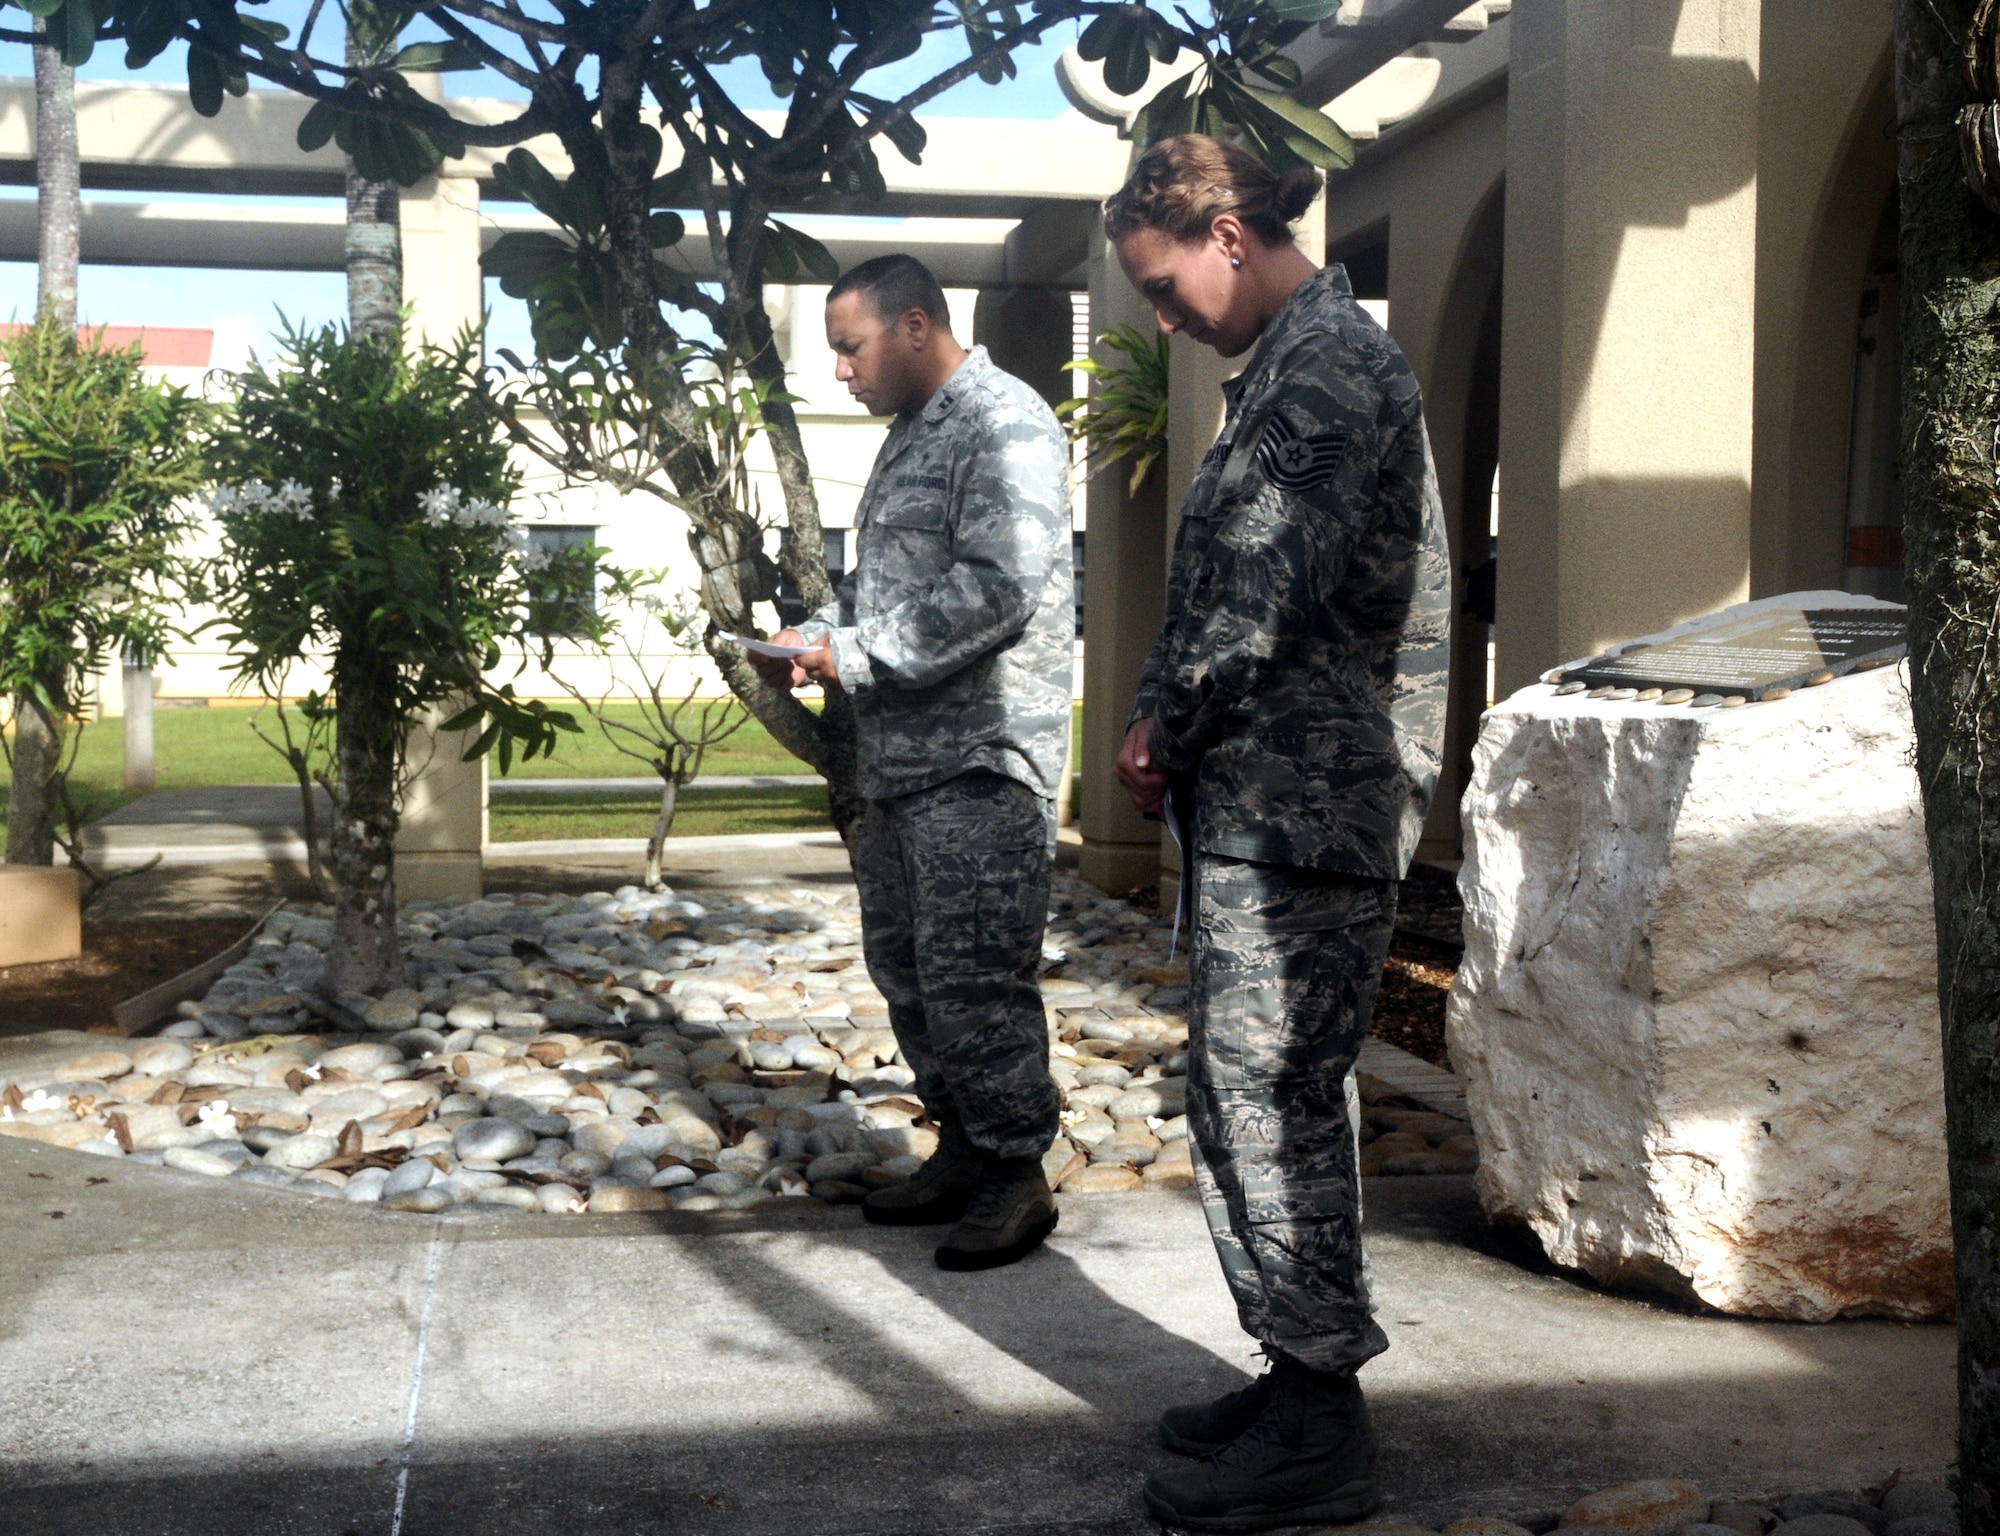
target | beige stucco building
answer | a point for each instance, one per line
(1641, 253)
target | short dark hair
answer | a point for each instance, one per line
(893, 286)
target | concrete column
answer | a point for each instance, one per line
(1124, 586)
(1628, 322)
(138, 705)
(441, 281)
(441, 844)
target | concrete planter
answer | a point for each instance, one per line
(40, 915)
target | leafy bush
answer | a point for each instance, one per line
(96, 465)
(364, 495)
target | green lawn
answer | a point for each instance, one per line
(199, 747)
(562, 814)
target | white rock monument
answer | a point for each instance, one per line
(1697, 1018)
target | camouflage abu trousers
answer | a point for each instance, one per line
(954, 887)
(1284, 968)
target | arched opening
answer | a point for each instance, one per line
(1874, 545)
(1463, 405)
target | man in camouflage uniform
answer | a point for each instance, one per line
(953, 634)
(1294, 706)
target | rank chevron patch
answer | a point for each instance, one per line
(1295, 463)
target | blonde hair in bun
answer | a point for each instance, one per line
(1181, 184)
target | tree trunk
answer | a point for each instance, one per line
(1950, 268)
(670, 795)
(37, 754)
(802, 557)
(31, 799)
(373, 247)
(58, 185)
(368, 746)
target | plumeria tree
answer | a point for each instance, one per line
(660, 149)
(650, 720)
(364, 496)
(97, 465)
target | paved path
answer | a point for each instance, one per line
(245, 823)
(179, 1356)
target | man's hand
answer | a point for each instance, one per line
(1146, 784)
(818, 665)
(780, 671)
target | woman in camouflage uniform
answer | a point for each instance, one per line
(1293, 706)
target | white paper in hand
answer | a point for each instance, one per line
(765, 647)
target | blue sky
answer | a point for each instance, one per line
(191, 296)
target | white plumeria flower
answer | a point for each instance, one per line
(40, 1100)
(6, 1114)
(620, 1014)
(215, 1118)
(313, 1071)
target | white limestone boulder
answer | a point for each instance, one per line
(1697, 1020)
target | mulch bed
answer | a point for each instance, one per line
(1409, 1010)
(119, 960)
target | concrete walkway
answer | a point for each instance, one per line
(261, 823)
(180, 1356)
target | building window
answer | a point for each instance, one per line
(1076, 568)
(562, 613)
(792, 610)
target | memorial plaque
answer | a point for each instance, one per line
(1778, 648)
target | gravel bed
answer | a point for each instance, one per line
(633, 1050)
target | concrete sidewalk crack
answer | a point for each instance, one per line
(409, 1437)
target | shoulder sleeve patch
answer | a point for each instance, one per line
(1295, 463)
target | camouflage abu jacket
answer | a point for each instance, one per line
(954, 632)
(1300, 675)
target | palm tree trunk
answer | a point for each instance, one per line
(1950, 266)
(58, 185)
(37, 748)
(373, 247)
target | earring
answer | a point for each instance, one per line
(1236, 261)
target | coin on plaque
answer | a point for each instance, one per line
(1734, 701)
(1677, 696)
(1647, 695)
(1621, 695)
(1705, 701)
(1772, 695)
(1602, 691)
(1818, 679)
(1568, 688)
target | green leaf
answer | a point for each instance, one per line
(435, 58)
(1313, 136)
(76, 26)
(1127, 59)
(316, 127)
(665, 229)
(1095, 41)
(40, 7)
(1281, 68)
(204, 82)
(808, 253)
(1296, 10)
